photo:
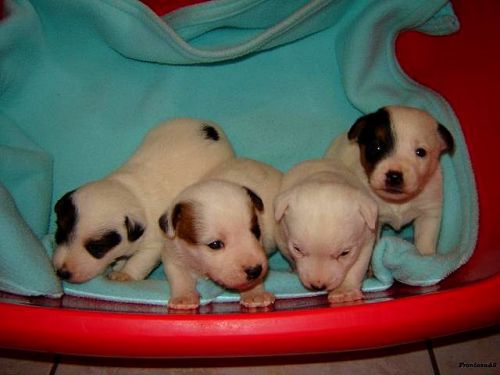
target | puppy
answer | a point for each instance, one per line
(222, 228)
(114, 220)
(395, 152)
(327, 227)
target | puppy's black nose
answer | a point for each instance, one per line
(64, 274)
(318, 287)
(253, 272)
(394, 178)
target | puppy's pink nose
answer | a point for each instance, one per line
(253, 272)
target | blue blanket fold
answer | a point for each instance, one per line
(79, 78)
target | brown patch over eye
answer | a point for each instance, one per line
(184, 222)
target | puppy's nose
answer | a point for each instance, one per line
(253, 272)
(64, 274)
(318, 287)
(394, 178)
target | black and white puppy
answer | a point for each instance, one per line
(114, 220)
(395, 151)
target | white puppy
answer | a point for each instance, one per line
(222, 228)
(327, 227)
(395, 152)
(115, 220)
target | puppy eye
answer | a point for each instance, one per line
(298, 250)
(421, 152)
(216, 245)
(374, 150)
(344, 253)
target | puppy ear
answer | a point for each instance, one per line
(381, 116)
(182, 222)
(357, 128)
(281, 203)
(256, 201)
(447, 139)
(66, 213)
(369, 211)
(163, 223)
(134, 229)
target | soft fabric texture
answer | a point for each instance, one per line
(81, 82)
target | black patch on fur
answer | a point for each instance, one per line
(255, 227)
(134, 230)
(256, 201)
(67, 217)
(447, 138)
(210, 132)
(374, 135)
(99, 247)
(163, 222)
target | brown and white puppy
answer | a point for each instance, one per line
(327, 227)
(222, 228)
(115, 220)
(395, 151)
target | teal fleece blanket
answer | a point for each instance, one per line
(81, 82)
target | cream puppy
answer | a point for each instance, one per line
(115, 220)
(395, 153)
(222, 228)
(327, 227)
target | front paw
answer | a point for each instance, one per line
(185, 302)
(349, 295)
(119, 276)
(260, 299)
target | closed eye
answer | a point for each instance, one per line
(298, 251)
(216, 245)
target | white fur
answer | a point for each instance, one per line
(222, 210)
(172, 156)
(421, 200)
(327, 227)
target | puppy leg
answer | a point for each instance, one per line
(257, 297)
(183, 293)
(426, 229)
(139, 265)
(350, 289)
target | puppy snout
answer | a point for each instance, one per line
(318, 287)
(394, 179)
(63, 274)
(253, 272)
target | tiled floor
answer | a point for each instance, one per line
(454, 355)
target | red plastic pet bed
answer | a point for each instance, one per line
(466, 300)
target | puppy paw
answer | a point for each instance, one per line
(119, 276)
(186, 302)
(261, 299)
(338, 296)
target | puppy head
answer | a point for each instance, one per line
(97, 224)
(325, 227)
(399, 150)
(215, 229)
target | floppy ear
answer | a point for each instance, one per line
(281, 203)
(134, 229)
(256, 201)
(357, 128)
(380, 116)
(182, 222)
(448, 144)
(369, 210)
(163, 222)
(67, 216)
